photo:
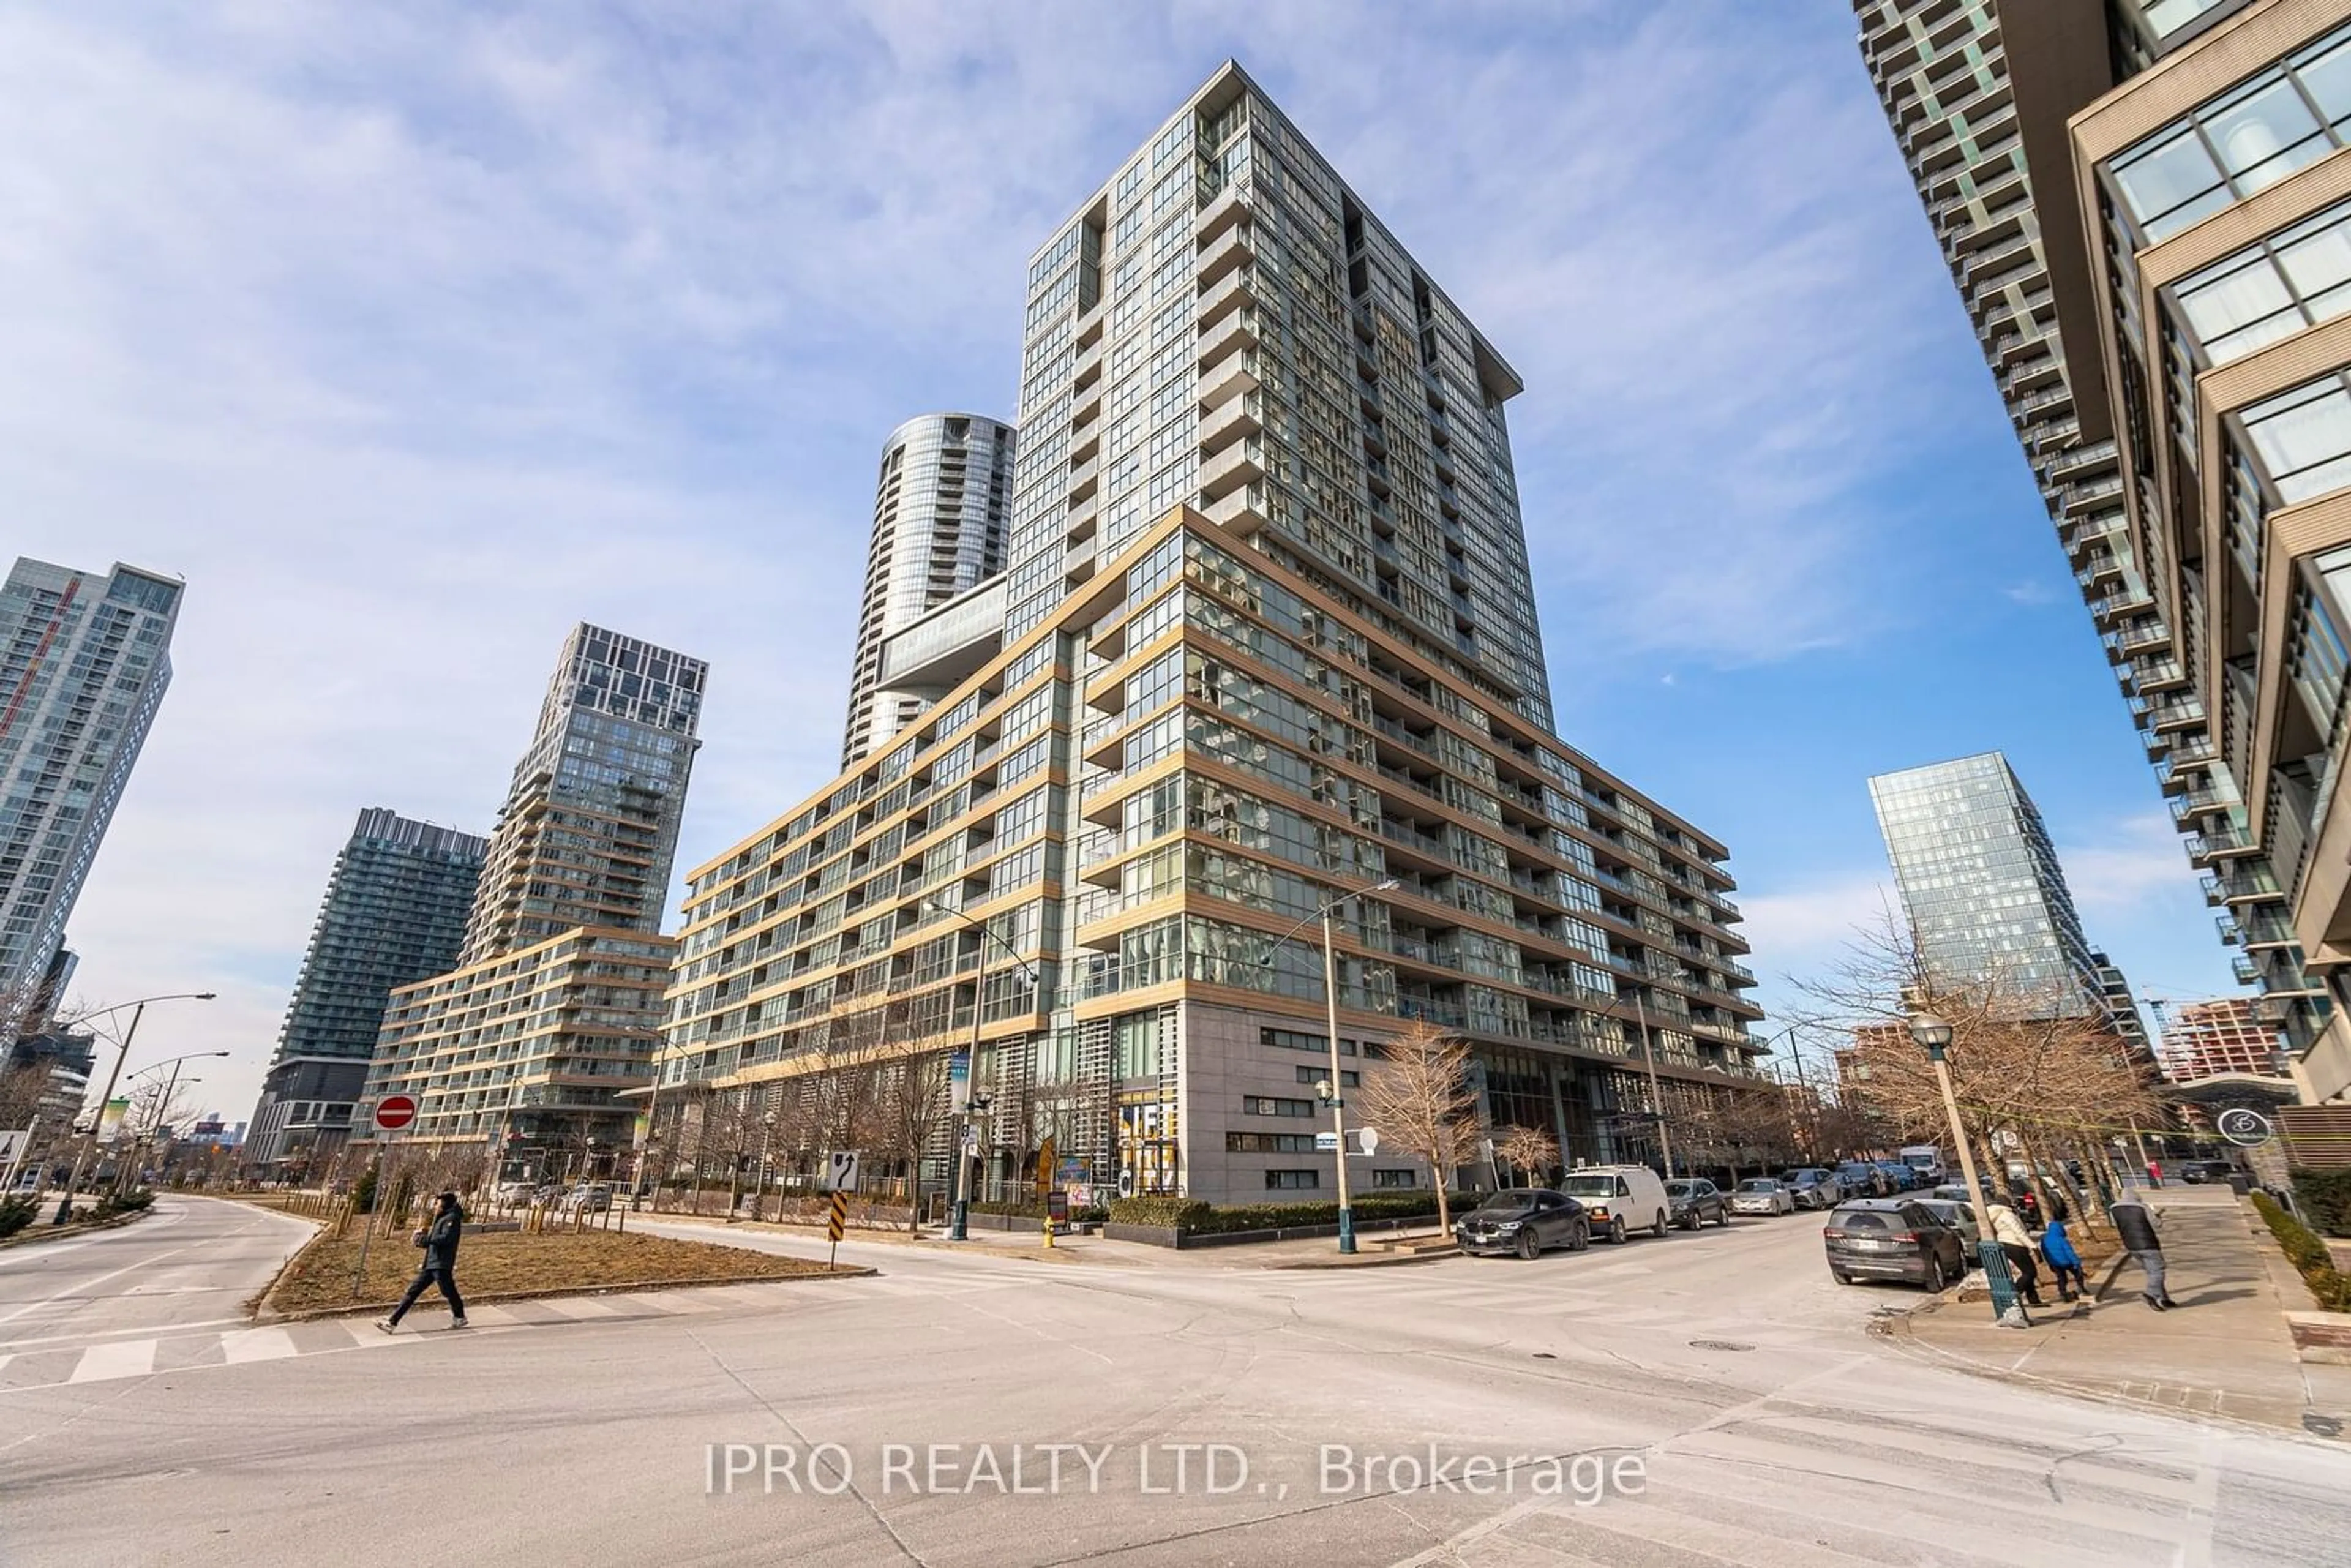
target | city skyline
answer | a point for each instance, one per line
(1653, 667)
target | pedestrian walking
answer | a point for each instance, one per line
(2135, 1227)
(2065, 1263)
(2016, 1243)
(2155, 1173)
(439, 1240)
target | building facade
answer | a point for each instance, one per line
(1979, 95)
(395, 911)
(84, 661)
(940, 509)
(2210, 190)
(1982, 889)
(2204, 1040)
(523, 1059)
(588, 835)
(1225, 324)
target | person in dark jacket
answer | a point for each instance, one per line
(2063, 1261)
(439, 1240)
(2134, 1228)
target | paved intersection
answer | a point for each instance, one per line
(1770, 1429)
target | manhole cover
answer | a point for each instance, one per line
(1718, 1344)
(2322, 1426)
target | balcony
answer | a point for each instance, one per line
(1236, 373)
(1228, 250)
(1236, 290)
(1242, 513)
(1232, 418)
(1235, 332)
(1236, 467)
(1229, 210)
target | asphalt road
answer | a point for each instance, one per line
(187, 1264)
(1695, 1401)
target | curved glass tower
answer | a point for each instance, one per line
(939, 510)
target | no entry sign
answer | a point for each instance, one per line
(394, 1112)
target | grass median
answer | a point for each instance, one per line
(509, 1265)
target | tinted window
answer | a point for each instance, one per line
(1863, 1220)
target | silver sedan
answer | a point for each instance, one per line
(1762, 1195)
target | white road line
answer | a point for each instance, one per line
(91, 1336)
(256, 1344)
(134, 1358)
(82, 1287)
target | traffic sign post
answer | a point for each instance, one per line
(836, 1222)
(840, 1170)
(392, 1113)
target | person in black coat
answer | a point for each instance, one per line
(439, 1240)
(2134, 1228)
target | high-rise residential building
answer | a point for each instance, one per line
(526, 1057)
(1982, 889)
(84, 661)
(394, 913)
(589, 832)
(1268, 643)
(2216, 200)
(2204, 1040)
(1979, 94)
(554, 1007)
(940, 505)
(1224, 324)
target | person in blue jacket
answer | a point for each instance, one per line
(2063, 1261)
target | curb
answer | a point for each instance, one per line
(265, 1315)
(1392, 1260)
(41, 1230)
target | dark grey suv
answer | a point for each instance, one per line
(1892, 1239)
(1525, 1220)
(1697, 1201)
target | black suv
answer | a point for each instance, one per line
(1893, 1239)
(1524, 1221)
(1697, 1201)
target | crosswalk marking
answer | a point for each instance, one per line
(106, 1359)
(125, 1358)
(255, 1344)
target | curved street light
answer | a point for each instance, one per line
(122, 1054)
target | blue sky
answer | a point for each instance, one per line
(412, 335)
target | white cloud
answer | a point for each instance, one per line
(2136, 858)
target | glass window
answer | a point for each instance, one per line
(2303, 439)
(2165, 178)
(2265, 136)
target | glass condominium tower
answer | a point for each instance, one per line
(588, 830)
(84, 664)
(1979, 94)
(939, 508)
(1980, 882)
(1225, 324)
(395, 913)
(1265, 643)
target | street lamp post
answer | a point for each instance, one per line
(1331, 1089)
(959, 1185)
(162, 1105)
(1934, 1035)
(123, 1053)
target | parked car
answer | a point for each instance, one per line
(1814, 1188)
(1696, 1200)
(1899, 1178)
(517, 1192)
(589, 1197)
(1924, 1160)
(1525, 1220)
(2205, 1170)
(1862, 1179)
(1892, 1239)
(1961, 1215)
(1762, 1195)
(1620, 1199)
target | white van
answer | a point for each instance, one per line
(1619, 1199)
(1926, 1159)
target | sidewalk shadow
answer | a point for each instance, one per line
(2209, 1297)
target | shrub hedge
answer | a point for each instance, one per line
(1194, 1218)
(2325, 1197)
(16, 1213)
(2328, 1285)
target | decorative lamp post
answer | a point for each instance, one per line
(1933, 1034)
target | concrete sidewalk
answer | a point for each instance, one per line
(1314, 1252)
(2225, 1351)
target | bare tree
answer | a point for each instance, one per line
(1418, 1094)
(912, 1101)
(2021, 1055)
(1529, 1150)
